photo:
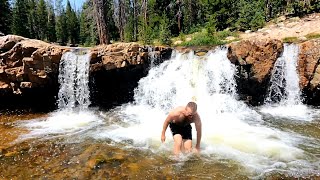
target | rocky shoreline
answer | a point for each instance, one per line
(29, 70)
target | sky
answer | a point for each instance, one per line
(77, 3)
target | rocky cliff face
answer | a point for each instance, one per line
(309, 70)
(29, 69)
(116, 70)
(254, 61)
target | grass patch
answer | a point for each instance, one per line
(312, 36)
(225, 33)
(204, 38)
(290, 39)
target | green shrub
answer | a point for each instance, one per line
(313, 36)
(225, 33)
(201, 39)
(165, 35)
(182, 36)
(290, 39)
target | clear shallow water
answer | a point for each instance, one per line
(238, 141)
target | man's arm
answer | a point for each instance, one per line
(197, 122)
(165, 126)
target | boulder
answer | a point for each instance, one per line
(7, 42)
(308, 64)
(258, 56)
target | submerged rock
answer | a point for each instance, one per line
(96, 161)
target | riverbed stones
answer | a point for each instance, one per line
(94, 162)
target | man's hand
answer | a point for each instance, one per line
(163, 138)
(196, 150)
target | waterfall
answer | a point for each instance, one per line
(187, 76)
(284, 81)
(73, 115)
(283, 98)
(152, 56)
(73, 79)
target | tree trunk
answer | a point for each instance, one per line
(135, 21)
(121, 19)
(101, 21)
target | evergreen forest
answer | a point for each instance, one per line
(145, 21)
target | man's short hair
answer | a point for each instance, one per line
(192, 106)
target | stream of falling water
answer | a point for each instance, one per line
(73, 80)
(284, 96)
(73, 115)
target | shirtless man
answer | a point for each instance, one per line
(179, 120)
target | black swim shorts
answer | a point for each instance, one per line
(184, 131)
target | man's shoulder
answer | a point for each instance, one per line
(176, 111)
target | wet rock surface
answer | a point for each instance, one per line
(29, 69)
(254, 61)
(309, 70)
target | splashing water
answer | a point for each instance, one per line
(73, 115)
(230, 128)
(283, 97)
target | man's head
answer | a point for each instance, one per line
(191, 109)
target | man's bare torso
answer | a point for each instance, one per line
(178, 116)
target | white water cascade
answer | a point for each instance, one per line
(73, 80)
(284, 78)
(152, 56)
(284, 96)
(73, 115)
(231, 129)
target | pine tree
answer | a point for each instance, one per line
(72, 24)
(5, 16)
(190, 15)
(85, 36)
(251, 15)
(61, 24)
(33, 20)
(20, 18)
(165, 36)
(129, 30)
(51, 31)
(42, 19)
(111, 25)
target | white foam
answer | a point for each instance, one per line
(230, 128)
(294, 112)
(61, 123)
